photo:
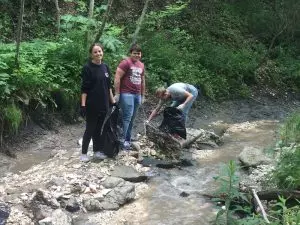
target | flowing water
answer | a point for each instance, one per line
(176, 195)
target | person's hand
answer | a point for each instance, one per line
(117, 98)
(180, 107)
(143, 99)
(83, 111)
(147, 121)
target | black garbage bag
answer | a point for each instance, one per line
(110, 131)
(173, 122)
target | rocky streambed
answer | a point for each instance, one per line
(46, 183)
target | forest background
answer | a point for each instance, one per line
(229, 48)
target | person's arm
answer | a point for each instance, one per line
(117, 82)
(143, 87)
(111, 97)
(188, 97)
(86, 84)
(156, 110)
(83, 99)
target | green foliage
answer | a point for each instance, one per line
(67, 104)
(12, 116)
(290, 132)
(268, 20)
(287, 171)
(282, 214)
(229, 193)
(4, 86)
(289, 67)
(41, 72)
(5, 27)
(71, 22)
(156, 20)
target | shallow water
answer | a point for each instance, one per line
(164, 203)
(175, 195)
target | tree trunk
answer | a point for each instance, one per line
(90, 16)
(140, 21)
(105, 18)
(19, 32)
(277, 35)
(57, 17)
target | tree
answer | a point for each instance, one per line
(19, 32)
(139, 23)
(57, 16)
(90, 16)
(105, 18)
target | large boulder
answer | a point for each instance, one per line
(252, 157)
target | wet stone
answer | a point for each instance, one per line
(4, 212)
(72, 205)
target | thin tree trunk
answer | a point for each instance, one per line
(19, 32)
(277, 35)
(140, 21)
(105, 18)
(57, 17)
(90, 16)
(1, 130)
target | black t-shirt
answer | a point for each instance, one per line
(96, 83)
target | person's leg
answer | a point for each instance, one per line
(88, 133)
(98, 140)
(127, 107)
(137, 103)
(188, 106)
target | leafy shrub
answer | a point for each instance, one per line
(290, 132)
(287, 171)
(229, 194)
(67, 104)
(268, 74)
(12, 117)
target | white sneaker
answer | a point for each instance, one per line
(84, 158)
(99, 155)
(126, 145)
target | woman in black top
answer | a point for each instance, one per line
(96, 96)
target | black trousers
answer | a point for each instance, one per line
(94, 124)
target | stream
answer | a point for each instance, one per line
(175, 195)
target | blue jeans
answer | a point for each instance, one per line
(129, 104)
(188, 106)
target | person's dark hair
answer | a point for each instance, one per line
(135, 47)
(93, 45)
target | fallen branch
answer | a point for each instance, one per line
(258, 202)
(273, 194)
(167, 141)
(164, 140)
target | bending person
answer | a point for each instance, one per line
(130, 90)
(96, 96)
(182, 96)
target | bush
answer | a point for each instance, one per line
(12, 117)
